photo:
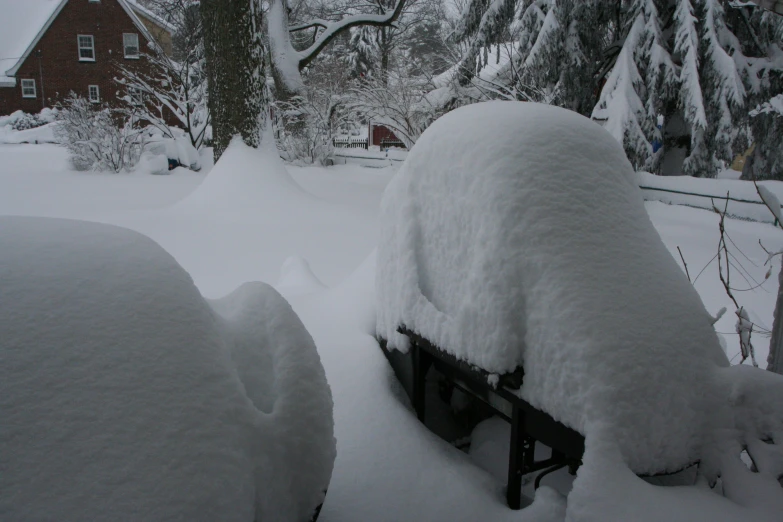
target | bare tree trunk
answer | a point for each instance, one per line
(775, 358)
(235, 67)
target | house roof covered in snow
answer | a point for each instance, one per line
(24, 22)
(20, 24)
(140, 9)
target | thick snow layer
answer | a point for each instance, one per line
(42, 134)
(389, 467)
(514, 235)
(124, 392)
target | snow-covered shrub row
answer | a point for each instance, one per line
(124, 392)
(98, 137)
(515, 235)
(20, 121)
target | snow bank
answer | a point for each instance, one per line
(242, 175)
(123, 391)
(42, 134)
(696, 192)
(514, 235)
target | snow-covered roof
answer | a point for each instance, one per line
(140, 9)
(23, 23)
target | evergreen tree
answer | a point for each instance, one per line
(615, 61)
(235, 65)
(363, 51)
(766, 94)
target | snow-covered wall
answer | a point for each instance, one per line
(697, 192)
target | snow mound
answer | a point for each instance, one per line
(514, 235)
(123, 391)
(296, 277)
(242, 175)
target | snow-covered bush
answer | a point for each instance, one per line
(20, 121)
(398, 101)
(306, 125)
(514, 235)
(124, 392)
(98, 137)
(167, 91)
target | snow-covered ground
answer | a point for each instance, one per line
(246, 225)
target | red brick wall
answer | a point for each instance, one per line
(379, 132)
(106, 21)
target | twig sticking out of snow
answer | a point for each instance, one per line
(684, 264)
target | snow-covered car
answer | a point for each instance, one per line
(514, 236)
(125, 395)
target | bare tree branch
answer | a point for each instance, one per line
(334, 29)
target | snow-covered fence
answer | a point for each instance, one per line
(743, 200)
(370, 158)
(351, 143)
(390, 142)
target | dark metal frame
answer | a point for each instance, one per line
(528, 424)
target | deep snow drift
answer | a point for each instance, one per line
(534, 249)
(514, 235)
(124, 392)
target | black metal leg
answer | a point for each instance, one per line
(515, 462)
(521, 458)
(419, 377)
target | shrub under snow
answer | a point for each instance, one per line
(98, 137)
(126, 395)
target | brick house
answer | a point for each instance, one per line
(49, 48)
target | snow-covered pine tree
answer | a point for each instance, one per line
(701, 64)
(723, 95)
(766, 94)
(363, 51)
(540, 50)
(483, 23)
(235, 65)
(641, 82)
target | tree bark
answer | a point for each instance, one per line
(235, 66)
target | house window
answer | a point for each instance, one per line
(28, 88)
(94, 93)
(130, 42)
(86, 48)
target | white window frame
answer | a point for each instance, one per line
(125, 46)
(30, 82)
(97, 98)
(91, 48)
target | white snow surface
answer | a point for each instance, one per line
(125, 395)
(389, 467)
(514, 236)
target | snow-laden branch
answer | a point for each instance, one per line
(334, 29)
(309, 25)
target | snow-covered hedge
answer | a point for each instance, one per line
(20, 127)
(515, 235)
(20, 121)
(125, 394)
